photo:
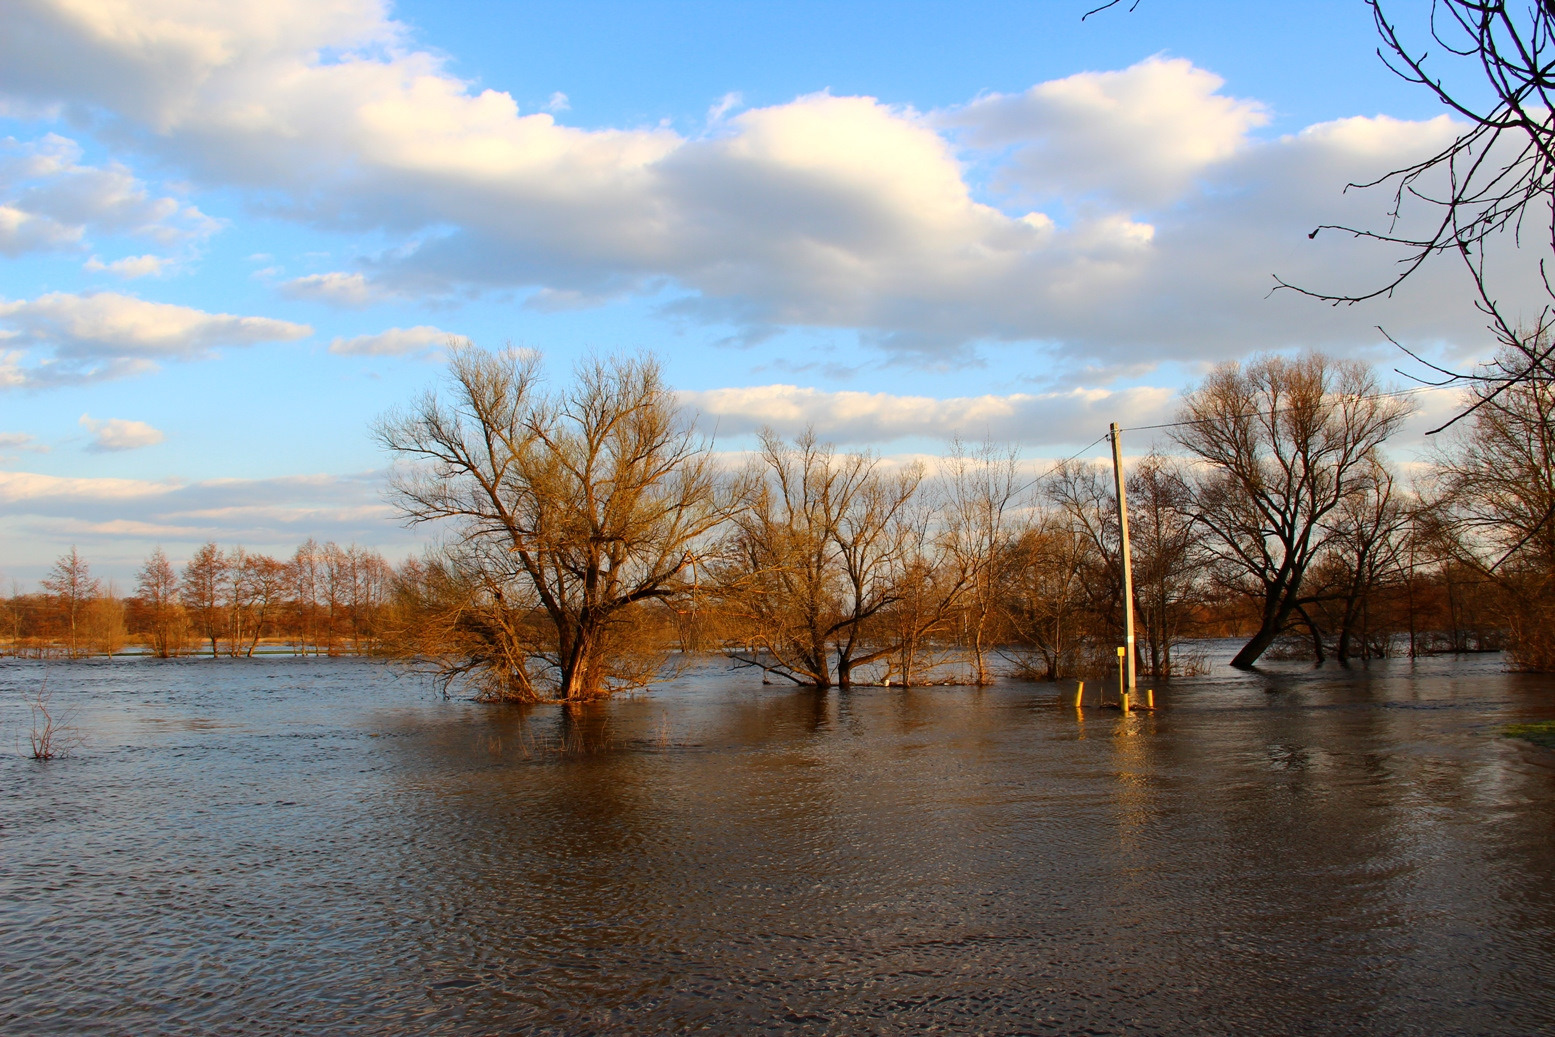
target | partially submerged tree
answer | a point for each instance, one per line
(157, 587)
(1496, 497)
(1045, 576)
(72, 588)
(600, 496)
(815, 559)
(1368, 538)
(201, 592)
(1168, 560)
(1283, 443)
(983, 494)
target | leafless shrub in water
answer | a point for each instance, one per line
(50, 736)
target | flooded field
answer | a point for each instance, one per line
(292, 846)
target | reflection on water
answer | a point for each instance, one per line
(285, 846)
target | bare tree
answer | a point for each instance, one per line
(306, 580)
(235, 592)
(601, 495)
(1492, 188)
(815, 560)
(1283, 443)
(1166, 557)
(1369, 535)
(201, 591)
(71, 586)
(265, 586)
(157, 587)
(1044, 600)
(335, 587)
(461, 609)
(983, 492)
(1497, 495)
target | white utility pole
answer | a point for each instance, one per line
(1128, 570)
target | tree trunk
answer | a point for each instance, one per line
(1275, 616)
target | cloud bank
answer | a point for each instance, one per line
(857, 418)
(1119, 216)
(118, 520)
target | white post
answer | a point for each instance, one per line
(1128, 570)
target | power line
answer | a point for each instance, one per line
(1059, 464)
(1395, 394)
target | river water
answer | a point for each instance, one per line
(320, 846)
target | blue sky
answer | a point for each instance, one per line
(231, 237)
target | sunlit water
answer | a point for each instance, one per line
(317, 846)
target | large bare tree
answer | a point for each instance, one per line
(600, 495)
(1282, 443)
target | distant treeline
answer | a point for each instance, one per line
(322, 600)
(592, 538)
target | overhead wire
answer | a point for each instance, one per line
(1395, 394)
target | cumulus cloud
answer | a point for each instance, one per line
(337, 288)
(116, 434)
(1138, 215)
(1140, 135)
(393, 342)
(866, 417)
(49, 201)
(130, 267)
(73, 338)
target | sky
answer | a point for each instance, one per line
(234, 235)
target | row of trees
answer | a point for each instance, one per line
(323, 599)
(590, 536)
(590, 533)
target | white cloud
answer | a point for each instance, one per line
(101, 335)
(50, 201)
(130, 267)
(558, 103)
(22, 232)
(1142, 218)
(339, 289)
(726, 104)
(41, 515)
(1141, 134)
(116, 434)
(865, 417)
(393, 342)
(19, 487)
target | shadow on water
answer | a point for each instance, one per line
(297, 846)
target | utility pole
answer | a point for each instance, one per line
(1128, 570)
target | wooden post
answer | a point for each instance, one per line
(1122, 688)
(1128, 570)
(1079, 692)
(1149, 698)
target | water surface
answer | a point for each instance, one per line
(316, 846)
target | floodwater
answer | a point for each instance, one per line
(317, 846)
